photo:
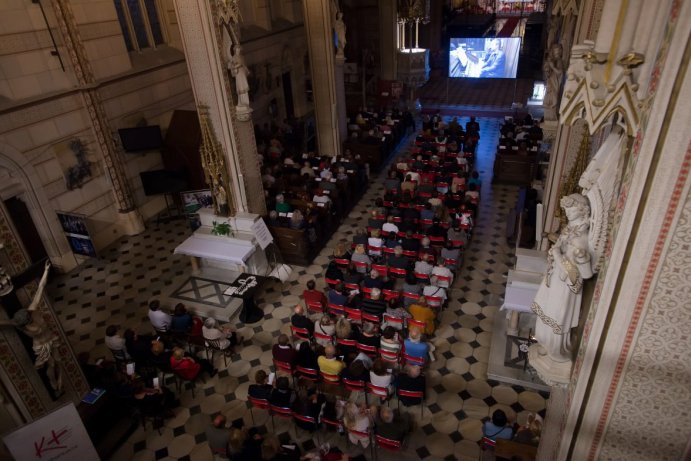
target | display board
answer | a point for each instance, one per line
(484, 57)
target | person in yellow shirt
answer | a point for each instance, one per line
(423, 313)
(329, 363)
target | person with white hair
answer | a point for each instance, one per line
(227, 338)
(300, 320)
(434, 290)
(374, 304)
(446, 275)
(393, 425)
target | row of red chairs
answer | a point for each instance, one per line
(337, 425)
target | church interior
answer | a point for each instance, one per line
(440, 229)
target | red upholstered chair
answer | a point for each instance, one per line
(302, 334)
(414, 395)
(335, 309)
(261, 404)
(387, 444)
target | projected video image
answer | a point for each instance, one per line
(484, 57)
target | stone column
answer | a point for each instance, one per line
(388, 25)
(318, 25)
(340, 97)
(130, 218)
(207, 60)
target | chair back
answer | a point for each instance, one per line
(284, 366)
(328, 378)
(389, 357)
(353, 385)
(346, 342)
(315, 306)
(323, 337)
(120, 356)
(300, 333)
(342, 262)
(214, 344)
(283, 412)
(310, 374)
(336, 424)
(336, 309)
(331, 282)
(305, 418)
(262, 404)
(379, 391)
(372, 318)
(397, 272)
(414, 360)
(387, 444)
(422, 326)
(390, 294)
(367, 349)
(393, 321)
(353, 314)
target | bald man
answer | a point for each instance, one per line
(218, 436)
(328, 363)
(300, 320)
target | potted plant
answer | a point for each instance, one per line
(222, 228)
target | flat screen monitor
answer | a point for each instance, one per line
(141, 138)
(484, 57)
(158, 182)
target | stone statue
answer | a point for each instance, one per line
(340, 29)
(31, 322)
(558, 300)
(553, 69)
(240, 71)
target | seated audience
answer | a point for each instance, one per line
(374, 304)
(356, 371)
(433, 290)
(530, 432)
(390, 341)
(159, 319)
(226, 338)
(187, 367)
(329, 363)
(422, 266)
(218, 436)
(300, 320)
(412, 380)
(393, 425)
(138, 346)
(423, 313)
(337, 296)
(368, 335)
(358, 418)
(441, 270)
(373, 281)
(309, 403)
(181, 321)
(312, 295)
(282, 395)
(326, 326)
(379, 375)
(114, 341)
(283, 351)
(414, 346)
(345, 330)
(306, 357)
(497, 427)
(261, 389)
(361, 257)
(158, 402)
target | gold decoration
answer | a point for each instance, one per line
(631, 60)
(213, 162)
(570, 184)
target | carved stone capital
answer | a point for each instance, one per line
(596, 88)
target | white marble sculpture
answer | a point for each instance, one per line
(31, 322)
(553, 72)
(340, 29)
(558, 300)
(240, 72)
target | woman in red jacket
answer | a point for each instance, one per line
(187, 368)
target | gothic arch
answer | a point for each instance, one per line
(28, 187)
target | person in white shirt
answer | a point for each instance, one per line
(114, 341)
(375, 243)
(319, 197)
(389, 226)
(435, 291)
(211, 330)
(422, 266)
(307, 170)
(159, 319)
(441, 269)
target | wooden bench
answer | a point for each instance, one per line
(508, 449)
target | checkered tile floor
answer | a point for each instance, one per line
(116, 289)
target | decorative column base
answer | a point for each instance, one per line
(551, 372)
(131, 222)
